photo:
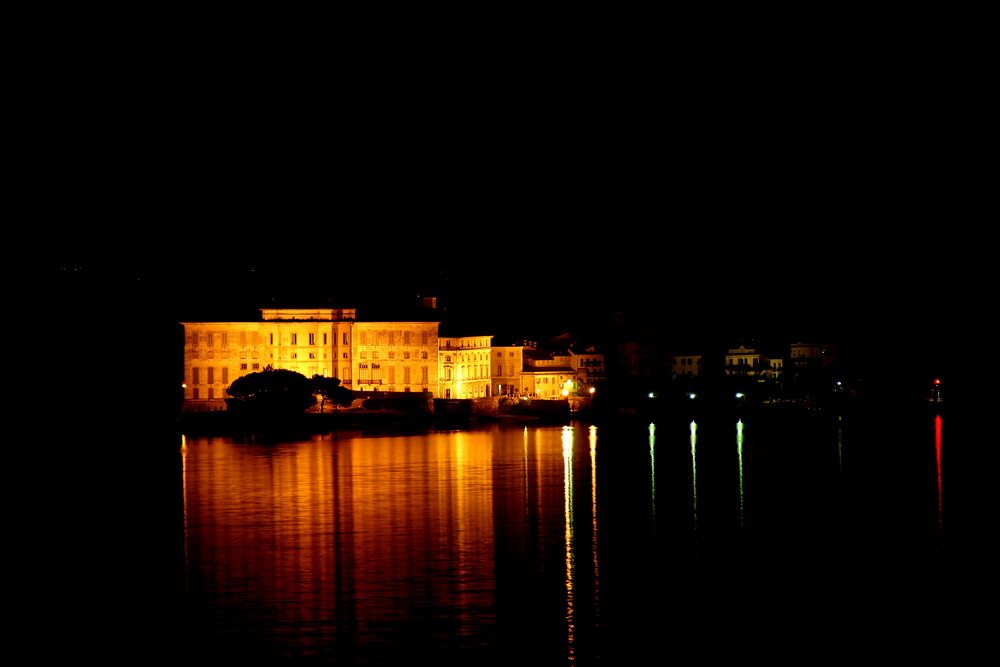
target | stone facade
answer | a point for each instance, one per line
(365, 356)
(395, 356)
(465, 367)
(507, 365)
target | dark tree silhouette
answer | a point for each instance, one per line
(330, 389)
(273, 392)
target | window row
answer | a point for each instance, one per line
(253, 338)
(390, 355)
(372, 374)
(393, 337)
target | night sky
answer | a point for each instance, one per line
(801, 190)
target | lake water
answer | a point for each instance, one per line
(801, 538)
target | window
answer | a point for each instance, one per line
(324, 339)
(344, 339)
(424, 338)
(195, 375)
(406, 375)
(423, 355)
(312, 355)
(312, 339)
(211, 375)
(424, 375)
(225, 375)
(406, 338)
(406, 355)
(243, 367)
(271, 339)
(255, 367)
(295, 339)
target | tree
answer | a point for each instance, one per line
(272, 392)
(330, 389)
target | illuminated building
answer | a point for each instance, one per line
(465, 367)
(746, 361)
(383, 356)
(365, 356)
(508, 361)
(395, 356)
(547, 374)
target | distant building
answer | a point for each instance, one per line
(814, 354)
(547, 374)
(588, 365)
(686, 364)
(746, 361)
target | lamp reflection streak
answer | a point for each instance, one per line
(567, 443)
(940, 487)
(652, 470)
(694, 475)
(739, 453)
(593, 518)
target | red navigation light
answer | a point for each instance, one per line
(937, 381)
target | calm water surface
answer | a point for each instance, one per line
(797, 538)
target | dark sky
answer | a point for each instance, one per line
(795, 189)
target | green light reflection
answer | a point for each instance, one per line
(739, 453)
(694, 474)
(652, 470)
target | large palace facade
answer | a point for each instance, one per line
(365, 356)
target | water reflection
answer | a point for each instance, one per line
(739, 453)
(940, 483)
(652, 472)
(567, 445)
(694, 474)
(380, 550)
